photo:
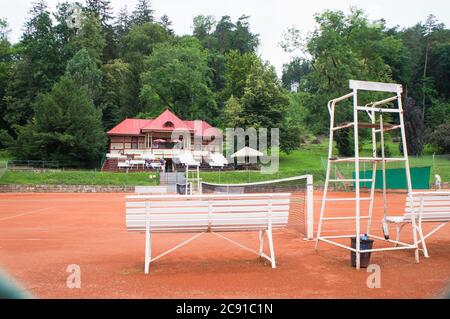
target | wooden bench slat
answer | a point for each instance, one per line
(204, 229)
(429, 203)
(416, 199)
(206, 203)
(169, 210)
(205, 210)
(426, 216)
(133, 216)
(427, 209)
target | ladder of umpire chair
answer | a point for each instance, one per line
(372, 111)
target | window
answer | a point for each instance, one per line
(168, 124)
(134, 143)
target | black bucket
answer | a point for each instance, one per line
(181, 189)
(365, 257)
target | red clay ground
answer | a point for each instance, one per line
(41, 234)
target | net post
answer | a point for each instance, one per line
(309, 207)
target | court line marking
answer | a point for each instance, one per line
(24, 214)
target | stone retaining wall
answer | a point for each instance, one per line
(112, 189)
(65, 189)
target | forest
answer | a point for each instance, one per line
(65, 83)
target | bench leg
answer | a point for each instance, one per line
(261, 241)
(399, 228)
(422, 240)
(148, 250)
(272, 254)
(414, 233)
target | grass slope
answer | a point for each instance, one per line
(75, 178)
(310, 159)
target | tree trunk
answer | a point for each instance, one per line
(424, 77)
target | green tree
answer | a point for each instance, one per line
(295, 72)
(238, 67)
(122, 23)
(64, 34)
(165, 22)
(122, 26)
(91, 37)
(67, 128)
(83, 70)
(243, 39)
(265, 105)
(202, 30)
(441, 138)
(138, 44)
(6, 65)
(232, 114)
(37, 65)
(439, 113)
(424, 72)
(101, 9)
(178, 76)
(216, 63)
(342, 47)
(140, 41)
(117, 99)
(143, 13)
(226, 35)
(297, 113)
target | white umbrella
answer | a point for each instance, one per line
(247, 152)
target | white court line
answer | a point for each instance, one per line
(24, 214)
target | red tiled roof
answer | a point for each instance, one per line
(158, 124)
(129, 127)
(205, 129)
(137, 126)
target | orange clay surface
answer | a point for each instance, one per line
(41, 234)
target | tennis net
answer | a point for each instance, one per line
(301, 217)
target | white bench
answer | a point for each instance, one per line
(137, 163)
(207, 213)
(423, 207)
(123, 165)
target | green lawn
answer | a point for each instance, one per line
(76, 178)
(310, 159)
(307, 160)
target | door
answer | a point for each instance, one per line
(169, 165)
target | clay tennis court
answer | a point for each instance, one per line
(41, 234)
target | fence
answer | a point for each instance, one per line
(439, 164)
(32, 165)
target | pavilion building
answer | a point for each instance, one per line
(165, 137)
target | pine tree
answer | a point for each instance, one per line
(101, 8)
(91, 37)
(166, 23)
(6, 68)
(83, 70)
(66, 128)
(37, 67)
(122, 23)
(38, 9)
(232, 113)
(143, 13)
